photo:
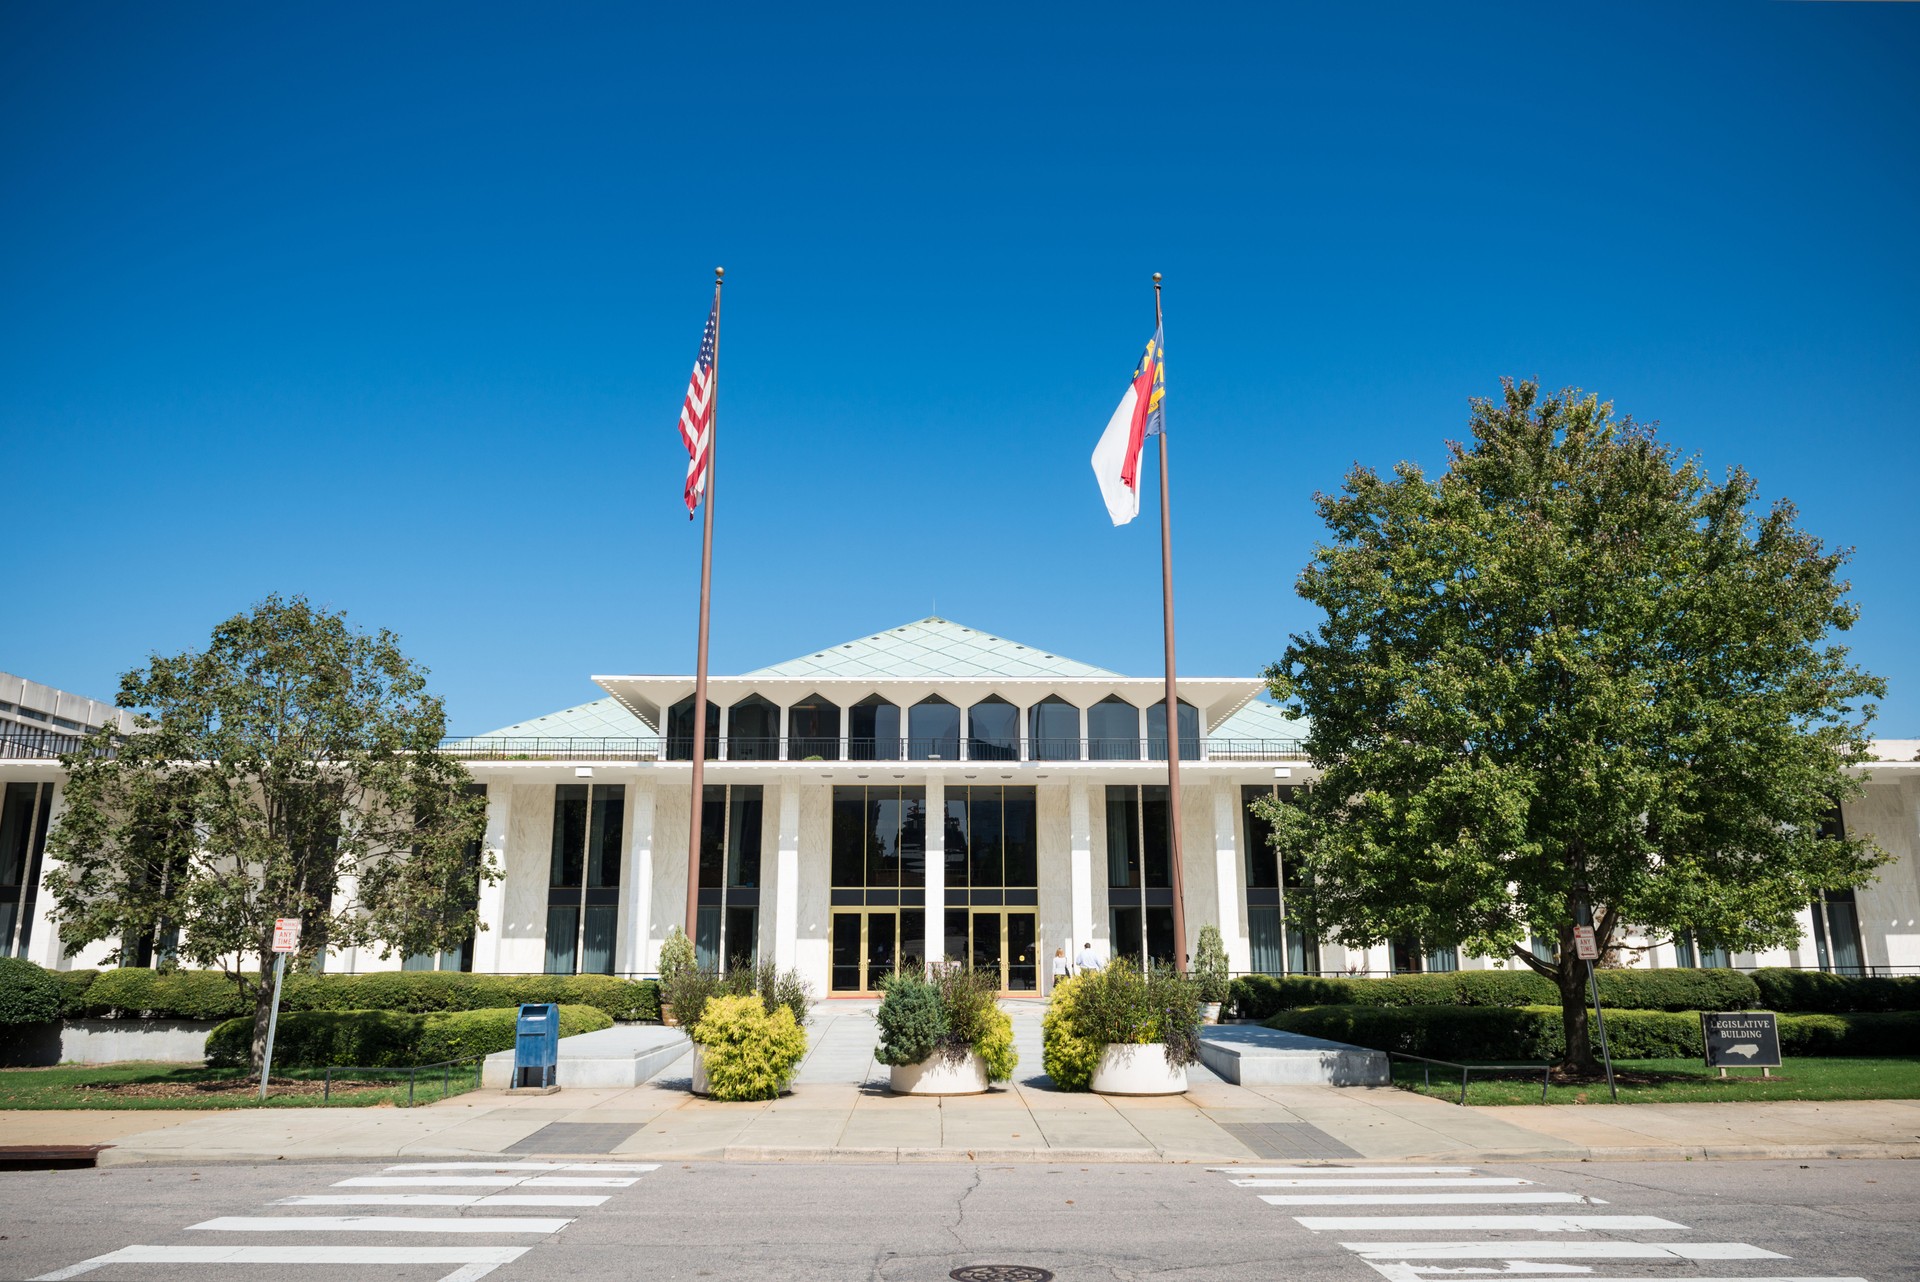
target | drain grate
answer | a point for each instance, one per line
(575, 1137)
(1286, 1139)
(1000, 1273)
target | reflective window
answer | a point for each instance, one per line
(933, 730)
(879, 838)
(753, 730)
(813, 730)
(990, 838)
(1139, 872)
(1189, 728)
(727, 929)
(1053, 730)
(993, 730)
(873, 730)
(583, 877)
(680, 730)
(1113, 730)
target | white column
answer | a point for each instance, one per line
(1080, 821)
(936, 933)
(43, 949)
(634, 949)
(492, 906)
(1226, 865)
(786, 878)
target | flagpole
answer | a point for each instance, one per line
(1173, 698)
(695, 808)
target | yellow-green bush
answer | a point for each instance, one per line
(1068, 1055)
(750, 1054)
(995, 1047)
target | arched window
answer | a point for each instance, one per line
(1113, 730)
(873, 730)
(993, 730)
(753, 730)
(933, 730)
(813, 730)
(1053, 730)
(1157, 731)
(680, 730)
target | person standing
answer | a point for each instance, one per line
(1089, 960)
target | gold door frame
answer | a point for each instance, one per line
(1006, 948)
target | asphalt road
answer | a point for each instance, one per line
(915, 1223)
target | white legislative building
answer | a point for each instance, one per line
(927, 791)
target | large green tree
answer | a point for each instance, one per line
(290, 769)
(1572, 674)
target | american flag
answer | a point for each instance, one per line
(696, 414)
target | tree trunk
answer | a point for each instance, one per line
(262, 1008)
(1574, 1014)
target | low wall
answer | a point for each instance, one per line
(106, 1041)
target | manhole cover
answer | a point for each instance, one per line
(1000, 1273)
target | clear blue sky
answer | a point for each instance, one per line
(394, 304)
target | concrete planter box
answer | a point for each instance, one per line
(704, 1088)
(940, 1076)
(106, 1041)
(1137, 1070)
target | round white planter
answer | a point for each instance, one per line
(1137, 1070)
(700, 1084)
(940, 1076)
(1213, 1012)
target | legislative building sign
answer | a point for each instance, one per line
(1741, 1038)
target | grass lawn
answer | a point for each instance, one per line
(1682, 1081)
(140, 1085)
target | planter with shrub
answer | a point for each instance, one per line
(944, 1035)
(1210, 971)
(690, 992)
(1118, 1031)
(744, 1049)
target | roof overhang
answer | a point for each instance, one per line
(648, 697)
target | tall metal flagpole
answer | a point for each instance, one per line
(1173, 698)
(700, 661)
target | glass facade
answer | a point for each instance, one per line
(1113, 730)
(1279, 942)
(680, 731)
(1140, 872)
(753, 730)
(933, 730)
(873, 730)
(465, 895)
(1409, 956)
(878, 870)
(732, 830)
(1189, 728)
(1692, 951)
(24, 812)
(1836, 919)
(1053, 730)
(583, 878)
(813, 730)
(993, 730)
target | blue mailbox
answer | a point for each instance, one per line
(536, 1049)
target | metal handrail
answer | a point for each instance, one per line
(413, 1073)
(656, 748)
(1546, 1071)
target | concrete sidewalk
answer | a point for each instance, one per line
(840, 1111)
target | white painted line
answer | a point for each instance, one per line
(490, 1256)
(1415, 1273)
(430, 1181)
(1342, 1170)
(582, 1181)
(638, 1168)
(383, 1224)
(502, 1166)
(1422, 1199)
(469, 1273)
(444, 1199)
(1523, 1223)
(1455, 1181)
(1562, 1250)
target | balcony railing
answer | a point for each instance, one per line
(946, 748)
(22, 743)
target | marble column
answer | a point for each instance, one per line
(786, 877)
(492, 906)
(637, 951)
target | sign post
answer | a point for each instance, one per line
(1587, 949)
(1750, 1038)
(286, 939)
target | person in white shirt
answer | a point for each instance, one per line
(1089, 960)
(1062, 968)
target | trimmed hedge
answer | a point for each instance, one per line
(74, 987)
(28, 994)
(209, 994)
(1535, 1032)
(1810, 990)
(1262, 996)
(385, 1039)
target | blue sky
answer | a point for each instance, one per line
(394, 306)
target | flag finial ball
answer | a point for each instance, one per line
(718, 272)
(1156, 278)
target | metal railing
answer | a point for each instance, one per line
(413, 1072)
(22, 742)
(1544, 1069)
(857, 749)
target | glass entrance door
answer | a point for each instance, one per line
(999, 941)
(868, 945)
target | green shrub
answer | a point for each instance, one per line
(1536, 1032)
(911, 1019)
(750, 1052)
(74, 986)
(951, 1016)
(1120, 1005)
(28, 994)
(1210, 965)
(1709, 988)
(1067, 1053)
(423, 991)
(385, 1039)
(676, 954)
(1812, 990)
(995, 1047)
(1261, 996)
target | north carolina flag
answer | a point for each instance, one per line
(1116, 459)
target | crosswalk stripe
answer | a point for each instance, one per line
(444, 1199)
(1412, 1273)
(1422, 1199)
(382, 1224)
(1562, 1250)
(609, 1168)
(490, 1256)
(1523, 1223)
(1456, 1181)
(582, 1181)
(1336, 1170)
(488, 1181)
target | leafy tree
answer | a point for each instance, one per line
(1570, 675)
(290, 769)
